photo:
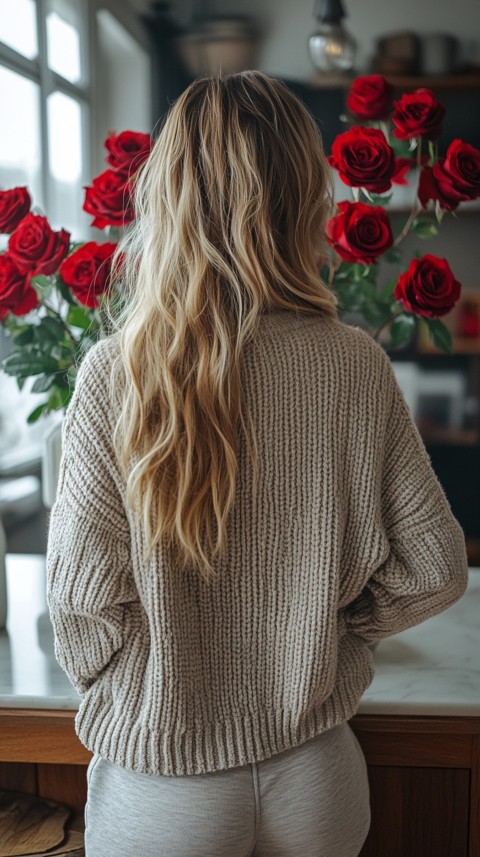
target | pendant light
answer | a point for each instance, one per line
(332, 48)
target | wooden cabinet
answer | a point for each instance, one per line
(424, 775)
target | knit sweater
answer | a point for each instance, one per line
(349, 538)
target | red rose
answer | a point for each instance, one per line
(370, 97)
(128, 150)
(35, 247)
(87, 271)
(14, 205)
(418, 114)
(109, 200)
(363, 158)
(360, 232)
(402, 167)
(428, 288)
(454, 178)
(16, 293)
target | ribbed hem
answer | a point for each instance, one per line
(216, 746)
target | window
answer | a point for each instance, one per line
(44, 79)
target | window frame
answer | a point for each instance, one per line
(48, 81)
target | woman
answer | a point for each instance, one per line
(244, 504)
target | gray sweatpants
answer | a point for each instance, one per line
(310, 801)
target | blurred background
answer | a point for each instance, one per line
(71, 71)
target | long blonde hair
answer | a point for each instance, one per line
(230, 209)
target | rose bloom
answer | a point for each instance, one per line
(87, 271)
(453, 179)
(109, 200)
(16, 294)
(35, 247)
(360, 232)
(14, 205)
(363, 158)
(128, 150)
(418, 114)
(428, 287)
(370, 97)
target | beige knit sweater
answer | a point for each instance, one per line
(349, 539)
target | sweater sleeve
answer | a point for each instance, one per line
(89, 578)
(425, 570)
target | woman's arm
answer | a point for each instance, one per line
(89, 576)
(426, 569)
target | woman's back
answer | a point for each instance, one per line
(204, 676)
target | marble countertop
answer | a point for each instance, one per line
(433, 668)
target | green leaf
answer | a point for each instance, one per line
(41, 335)
(388, 289)
(402, 328)
(400, 147)
(368, 290)
(343, 272)
(43, 383)
(77, 317)
(358, 270)
(65, 291)
(24, 335)
(324, 273)
(349, 294)
(378, 199)
(370, 274)
(40, 280)
(24, 363)
(37, 412)
(58, 398)
(61, 351)
(424, 227)
(376, 313)
(439, 334)
(393, 255)
(439, 212)
(53, 328)
(67, 396)
(431, 153)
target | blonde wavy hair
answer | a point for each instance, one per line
(230, 212)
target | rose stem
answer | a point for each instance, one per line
(416, 208)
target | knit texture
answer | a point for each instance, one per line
(348, 539)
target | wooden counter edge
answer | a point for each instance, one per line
(41, 735)
(48, 735)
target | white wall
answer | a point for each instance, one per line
(291, 23)
(123, 84)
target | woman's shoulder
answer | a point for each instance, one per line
(348, 339)
(99, 358)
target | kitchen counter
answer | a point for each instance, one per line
(432, 669)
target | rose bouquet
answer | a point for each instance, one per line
(371, 157)
(53, 293)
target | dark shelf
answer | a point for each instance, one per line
(404, 81)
